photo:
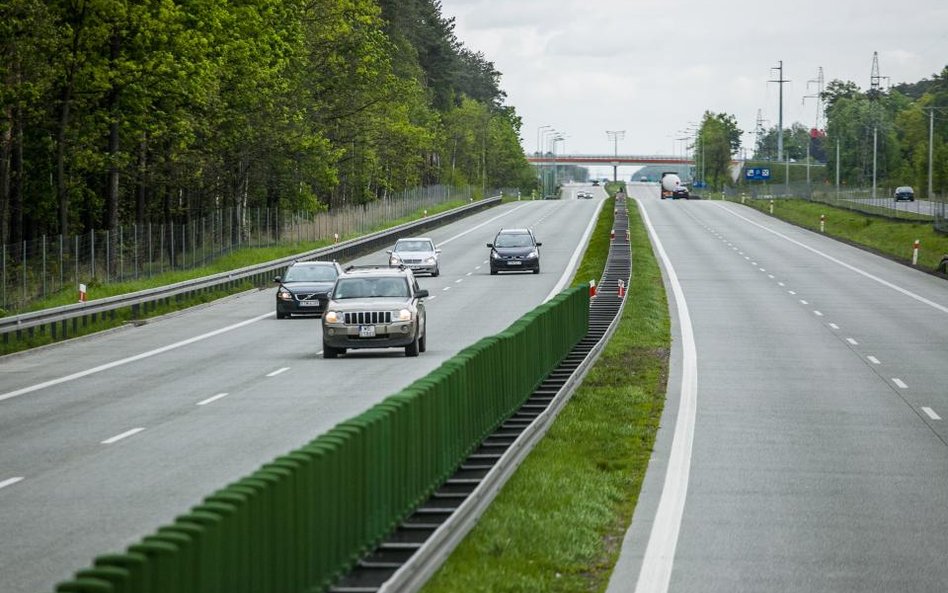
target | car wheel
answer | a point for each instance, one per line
(435, 273)
(412, 349)
(330, 352)
(282, 315)
(536, 270)
(493, 272)
(423, 342)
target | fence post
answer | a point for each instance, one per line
(44, 266)
(92, 248)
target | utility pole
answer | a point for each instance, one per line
(781, 81)
(815, 132)
(615, 135)
(540, 155)
(931, 136)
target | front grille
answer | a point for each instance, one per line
(303, 296)
(411, 261)
(368, 317)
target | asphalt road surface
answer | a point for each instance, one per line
(803, 445)
(106, 438)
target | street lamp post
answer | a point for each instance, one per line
(615, 135)
(540, 155)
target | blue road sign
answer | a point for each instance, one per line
(757, 174)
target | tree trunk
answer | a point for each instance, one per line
(16, 179)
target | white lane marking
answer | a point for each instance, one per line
(124, 435)
(747, 258)
(740, 253)
(486, 222)
(10, 482)
(834, 326)
(762, 270)
(137, 357)
(573, 262)
(802, 302)
(485, 261)
(446, 288)
(900, 383)
(931, 413)
(469, 273)
(771, 276)
(655, 573)
(477, 267)
(859, 271)
(432, 297)
(781, 284)
(278, 371)
(818, 313)
(459, 280)
(791, 292)
(211, 399)
(852, 341)
(873, 360)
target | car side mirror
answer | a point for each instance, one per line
(539, 244)
(491, 245)
(421, 293)
(437, 251)
(278, 279)
(389, 251)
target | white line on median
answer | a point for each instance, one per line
(137, 357)
(931, 413)
(655, 574)
(278, 371)
(211, 399)
(834, 326)
(124, 435)
(10, 482)
(873, 360)
(899, 383)
(852, 341)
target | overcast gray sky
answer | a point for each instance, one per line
(652, 67)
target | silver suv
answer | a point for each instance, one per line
(375, 307)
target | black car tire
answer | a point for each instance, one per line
(435, 273)
(493, 272)
(536, 270)
(423, 342)
(282, 315)
(330, 352)
(412, 349)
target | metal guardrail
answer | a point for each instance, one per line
(59, 319)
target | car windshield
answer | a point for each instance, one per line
(363, 288)
(513, 240)
(413, 246)
(310, 274)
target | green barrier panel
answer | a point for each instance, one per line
(300, 521)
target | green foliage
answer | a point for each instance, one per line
(163, 111)
(718, 138)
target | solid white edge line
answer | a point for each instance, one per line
(655, 574)
(278, 371)
(124, 435)
(900, 383)
(137, 357)
(10, 482)
(573, 262)
(859, 271)
(213, 398)
(931, 414)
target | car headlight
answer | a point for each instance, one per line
(430, 260)
(403, 315)
(284, 295)
(494, 255)
(394, 260)
(533, 254)
(332, 317)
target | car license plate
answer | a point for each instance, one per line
(366, 331)
(309, 303)
(513, 263)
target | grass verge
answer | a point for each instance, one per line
(557, 525)
(885, 237)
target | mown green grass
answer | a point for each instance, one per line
(558, 523)
(886, 237)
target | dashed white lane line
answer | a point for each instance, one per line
(852, 341)
(278, 371)
(137, 357)
(762, 270)
(873, 360)
(803, 302)
(477, 267)
(931, 414)
(10, 481)
(469, 273)
(818, 313)
(459, 280)
(124, 435)
(213, 398)
(899, 383)
(781, 284)
(793, 292)
(771, 276)
(834, 326)
(446, 288)
(432, 297)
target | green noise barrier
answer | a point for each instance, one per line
(299, 522)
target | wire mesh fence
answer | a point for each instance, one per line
(36, 269)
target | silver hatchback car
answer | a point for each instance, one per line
(418, 254)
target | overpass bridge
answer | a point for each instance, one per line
(610, 160)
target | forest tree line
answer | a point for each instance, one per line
(115, 112)
(894, 123)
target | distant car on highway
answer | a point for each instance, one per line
(680, 193)
(304, 286)
(904, 193)
(419, 254)
(515, 250)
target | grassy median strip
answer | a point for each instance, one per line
(890, 238)
(558, 523)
